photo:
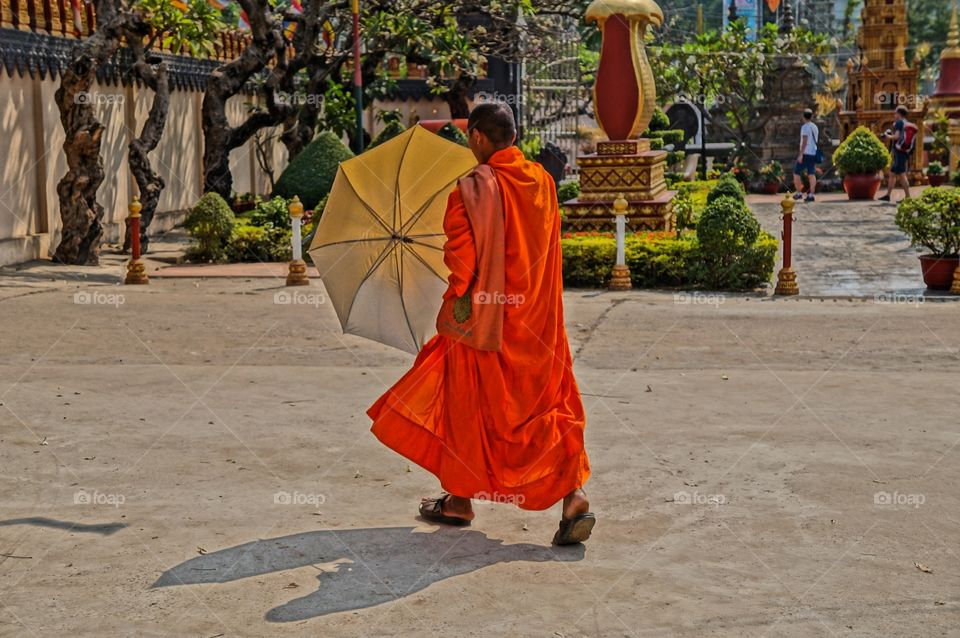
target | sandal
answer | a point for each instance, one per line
(575, 530)
(432, 510)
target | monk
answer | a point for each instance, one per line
(491, 406)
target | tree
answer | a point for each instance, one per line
(80, 212)
(180, 31)
(118, 21)
(728, 75)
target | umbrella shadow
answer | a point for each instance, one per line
(360, 568)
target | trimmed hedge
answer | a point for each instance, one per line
(210, 224)
(657, 261)
(311, 173)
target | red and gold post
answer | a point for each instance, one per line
(787, 278)
(136, 271)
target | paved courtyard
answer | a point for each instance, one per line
(192, 458)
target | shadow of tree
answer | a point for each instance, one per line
(40, 521)
(360, 567)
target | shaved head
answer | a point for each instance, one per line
(495, 120)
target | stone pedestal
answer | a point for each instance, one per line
(628, 168)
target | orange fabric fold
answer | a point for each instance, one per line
(508, 425)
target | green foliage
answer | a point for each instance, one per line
(728, 186)
(392, 127)
(210, 223)
(659, 123)
(936, 168)
(310, 174)
(673, 136)
(932, 220)
(272, 212)
(453, 133)
(192, 31)
(664, 263)
(727, 231)
(683, 208)
(656, 143)
(675, 157)
(771, 173)
(530, 146)
(259, 244)
(568, 190)
(862, 153)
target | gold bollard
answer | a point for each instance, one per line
(955, 289)
(787, 278)
(297, 274)
(621, 272)
(136, 272)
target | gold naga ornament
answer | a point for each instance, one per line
(624, 93)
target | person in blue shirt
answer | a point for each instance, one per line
(901, 156)
(807, 157)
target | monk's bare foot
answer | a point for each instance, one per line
(451, 506)
(577, 522)
(575, 503)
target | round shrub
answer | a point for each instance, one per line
(728, 186)
(271, 212)
(210, 223)
(726, 225)
(311, 173)
(862, 153)
(392, 127)
(453, 133)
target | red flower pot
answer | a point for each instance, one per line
(862, 186)
(771, 188)
(937, 180)
(938, 271)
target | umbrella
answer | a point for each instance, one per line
(379, 244)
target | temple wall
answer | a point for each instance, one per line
(32, 161)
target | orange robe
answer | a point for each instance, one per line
(504, 426)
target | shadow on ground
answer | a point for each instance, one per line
(360, 567)
(40, 521)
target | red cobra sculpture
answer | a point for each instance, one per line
(624, 94)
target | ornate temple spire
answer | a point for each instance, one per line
(953, 37)
(786, 24)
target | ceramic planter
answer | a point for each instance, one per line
(862, 186)
(938, 271)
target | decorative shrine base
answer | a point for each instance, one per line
(629, 168)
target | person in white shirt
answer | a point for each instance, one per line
(807, 157)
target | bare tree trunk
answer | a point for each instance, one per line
(152, 71)
(219, 138)
(80, 212)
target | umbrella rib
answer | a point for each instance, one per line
(396, 185)
(416, 216)
(403, 303)
(428, 266)
(373, 268)
(349, 241)
(365, 205)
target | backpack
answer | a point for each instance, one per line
(819, 154)
(909, 140)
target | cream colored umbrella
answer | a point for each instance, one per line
(379, 244)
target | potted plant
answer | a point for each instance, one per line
(860, 159)
(936, 174)
(771, 177)
(933, 222)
